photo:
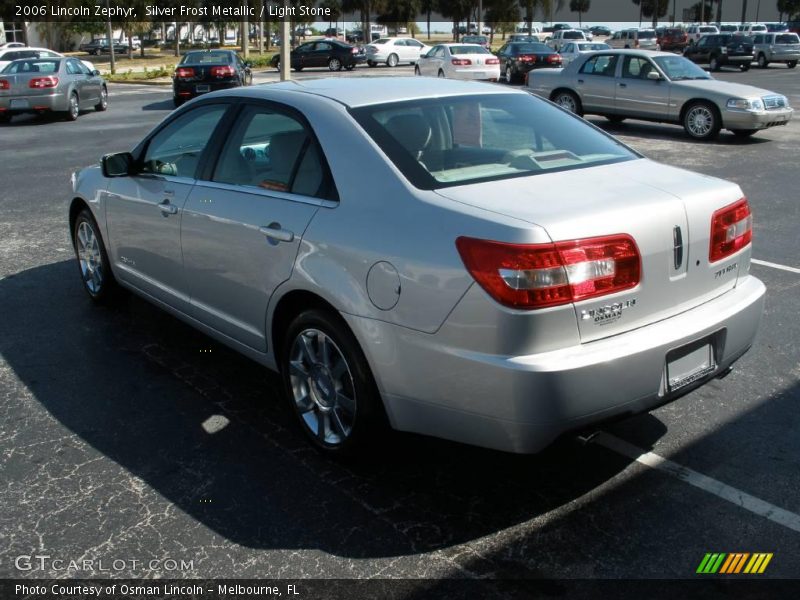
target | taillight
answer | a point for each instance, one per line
(354, 51)
(184, 73)
(461, 62)
(4, 84)
(492, 61)
(731, 230)
(525, 58)
(554, 58)
(43, 82)
(530, 276)
(224, 71)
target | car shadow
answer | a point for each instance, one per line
(160, 105)
(208, 430)
(664, 131)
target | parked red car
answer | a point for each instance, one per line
(672, 38)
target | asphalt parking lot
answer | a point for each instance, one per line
(105, 455)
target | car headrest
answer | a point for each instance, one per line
(412, 132)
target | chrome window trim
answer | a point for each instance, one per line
(256, 191)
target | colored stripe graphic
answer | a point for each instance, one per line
(733, 563)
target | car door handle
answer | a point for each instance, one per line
(580, 80)
(623, 85)
(274, 232)
(167, 208)
(169, 192)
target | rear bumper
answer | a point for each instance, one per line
(740, 119)
(34, 103)
(728, 59)
(522, 403)
(188, 89)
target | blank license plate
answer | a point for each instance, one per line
(202, 88)
(20, 104)
(688, 364)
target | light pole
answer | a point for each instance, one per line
(109, 34)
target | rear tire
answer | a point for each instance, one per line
(334, 64)
(93, 264)
(329, 385)
(103, 104)
(744, 67)
(569, 101)
(616, 119)
(372, 64)
(441, 74)
(713, 64)
(702, 121)
(176, 101)
(416, 71)
(73, 108)
(791, 64)
(393, 60)
(5, 119)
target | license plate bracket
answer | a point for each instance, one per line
(20, 103)
(690, 363)
(201, 89)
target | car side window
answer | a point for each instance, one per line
(273, 150)
(569, 48)
(72, 68)
(702, 42)
(176, 149)
(602, 64)
(323, 47)
(635, 67)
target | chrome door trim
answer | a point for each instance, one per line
(242, 189)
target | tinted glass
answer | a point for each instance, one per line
(33, 66)
(212, 58)
(532, 48)
(573, 35)
(468, 50)
(678, 68)
(451, 141)
(787, 38)
(176, 149)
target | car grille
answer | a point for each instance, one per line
(774, 102)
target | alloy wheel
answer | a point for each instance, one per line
(90, 258)
(699, 121)
(322, 387)
(567, 101)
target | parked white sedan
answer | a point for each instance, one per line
(459, 61)
(9, 54)
(574, 50)
(394, 51)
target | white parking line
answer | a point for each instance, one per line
(764, 263)
(708, 484)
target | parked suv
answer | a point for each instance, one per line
(672, 38)
(695, 32)
(776, 47)
(722, 49)
(643, 39)
(564, 36)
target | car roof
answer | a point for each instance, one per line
(366, 91)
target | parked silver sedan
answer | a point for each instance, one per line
(660, 86)
(58, 85)
(460, 301)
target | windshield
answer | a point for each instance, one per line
(442, 142)
(678, 68)
(468, 50)
(787, 38)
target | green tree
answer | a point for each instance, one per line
(335, 8)
(502, 16)
(791, 8)
(652, 9)
(580, 7)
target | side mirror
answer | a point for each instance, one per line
(117, 165)
(96, 73)
(654, 76)
(248, 64)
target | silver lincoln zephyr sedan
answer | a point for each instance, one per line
(391, 248)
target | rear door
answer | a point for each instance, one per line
(596, 83)
(144, 212)
(244, 220)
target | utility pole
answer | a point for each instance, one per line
(110, 35)
(480, 17)
(285, 54)
(744, 12)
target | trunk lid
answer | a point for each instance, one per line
(655, 204)
(19, 85)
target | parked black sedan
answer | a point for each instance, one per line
(517, 58)
(206, 71)
(324, 53)
(721, 49)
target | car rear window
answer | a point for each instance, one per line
(381, 41)
(646, 35)
(708, 30)
(787, 38)
(468, 50)
(32, 66)
(449, 141)
(532, 48)
(573, 35)
(206, 58)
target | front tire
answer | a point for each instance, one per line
(702, 121)
(103, 104)
(762, 61)
(616, 119)
(334, 64)
(744, 67)
(569, 101)
(713, 64)
(393, 60)
(93, 263)
(329, 384)
(791, 64)
(441, 74)
(743, 133)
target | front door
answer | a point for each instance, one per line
(143, 212)
(638, 96)
(242, 228)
